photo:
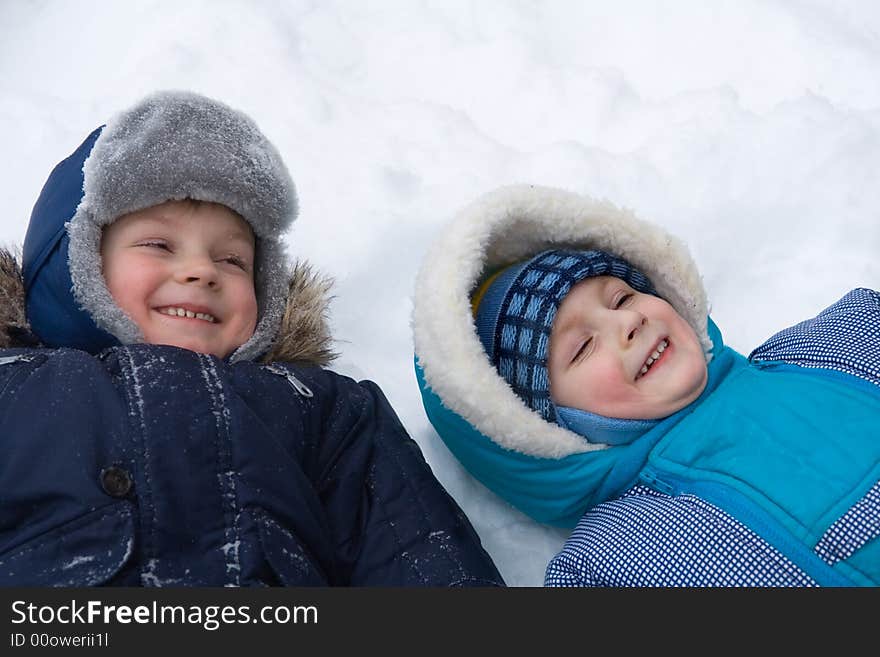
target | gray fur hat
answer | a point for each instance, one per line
(174, 145)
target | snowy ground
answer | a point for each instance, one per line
(750, 129)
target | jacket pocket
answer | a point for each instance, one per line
(87, 551)
(286, 555)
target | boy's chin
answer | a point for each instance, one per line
(199, 347)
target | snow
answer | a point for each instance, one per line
(749, 129)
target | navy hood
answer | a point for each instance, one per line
(52, 312)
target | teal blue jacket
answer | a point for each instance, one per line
(790, 451)
(769, 478)
(558, 491)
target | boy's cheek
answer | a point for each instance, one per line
(593, 387)
(120, 273)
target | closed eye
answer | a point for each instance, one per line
(623, 299)
(581, 350)
(235, 260)
(156, 244)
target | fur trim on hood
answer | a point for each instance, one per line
(503, 227)
(14, 330)
(303, 336)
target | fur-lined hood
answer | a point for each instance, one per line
(303, 337)
(550, 473)
(504, 226)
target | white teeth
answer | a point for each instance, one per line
(183, 312)
(654, 356)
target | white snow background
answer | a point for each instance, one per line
(749, 129)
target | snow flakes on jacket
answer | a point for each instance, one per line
(153, 465)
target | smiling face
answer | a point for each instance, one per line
(623, 354)
(183, 272)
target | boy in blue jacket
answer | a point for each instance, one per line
(696, 465)
(165, 417)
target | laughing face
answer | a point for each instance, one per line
(184, 273)
(623, 354)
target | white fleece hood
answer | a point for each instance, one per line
(504, 226)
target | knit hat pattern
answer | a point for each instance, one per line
(516, 307)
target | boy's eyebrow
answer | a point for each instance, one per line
(153, 218)
(561, 328)
(603, 292)
(156, 219)
(238, 234)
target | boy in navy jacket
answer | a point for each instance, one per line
(165, 417)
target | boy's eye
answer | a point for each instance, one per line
(235, 260)
(156, 244)
(582, 350)
(623, 299)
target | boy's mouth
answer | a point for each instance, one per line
(180, 311)
(653, 357)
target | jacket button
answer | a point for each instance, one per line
(116, 481)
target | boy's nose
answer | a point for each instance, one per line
(633, 324)
(198, 271)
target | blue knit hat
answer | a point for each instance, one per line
(514, 311)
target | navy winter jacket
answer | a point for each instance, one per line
(154, 465)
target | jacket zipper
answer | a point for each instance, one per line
(298, 385)
(752, 516)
